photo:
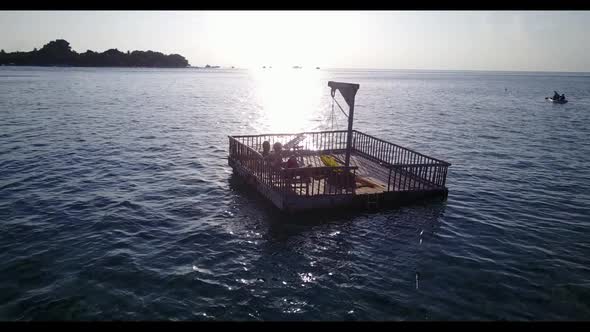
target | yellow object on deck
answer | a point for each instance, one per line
(329, 161)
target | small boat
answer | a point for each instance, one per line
(558, 101)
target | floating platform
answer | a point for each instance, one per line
(380, 174)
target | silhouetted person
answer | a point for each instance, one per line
(265, 148)
(292, 162)
(277, 155)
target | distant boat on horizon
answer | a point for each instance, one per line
(297, 67)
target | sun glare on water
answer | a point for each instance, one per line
(290, 100)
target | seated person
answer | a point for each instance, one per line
(300, 177)
(265, 149)
(292, 162)
(276, 158)
(562, 97)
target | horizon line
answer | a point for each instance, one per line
(347, 68)
(430, 69)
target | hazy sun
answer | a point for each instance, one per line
(282, 39)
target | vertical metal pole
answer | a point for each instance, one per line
(349, 135)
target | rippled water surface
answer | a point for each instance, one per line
(116, 201)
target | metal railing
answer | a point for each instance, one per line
(306, 181)
(408, 170)
(419, 172)
(314, 141)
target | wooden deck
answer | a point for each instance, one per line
(372, 177)
(385, 173)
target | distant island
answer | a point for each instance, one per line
(59, 53)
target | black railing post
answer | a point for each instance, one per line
(389, 179)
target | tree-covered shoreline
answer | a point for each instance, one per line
(59, 53)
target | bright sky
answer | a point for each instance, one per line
(461, 40)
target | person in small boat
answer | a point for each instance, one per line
(265, 149)
(562, 98)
